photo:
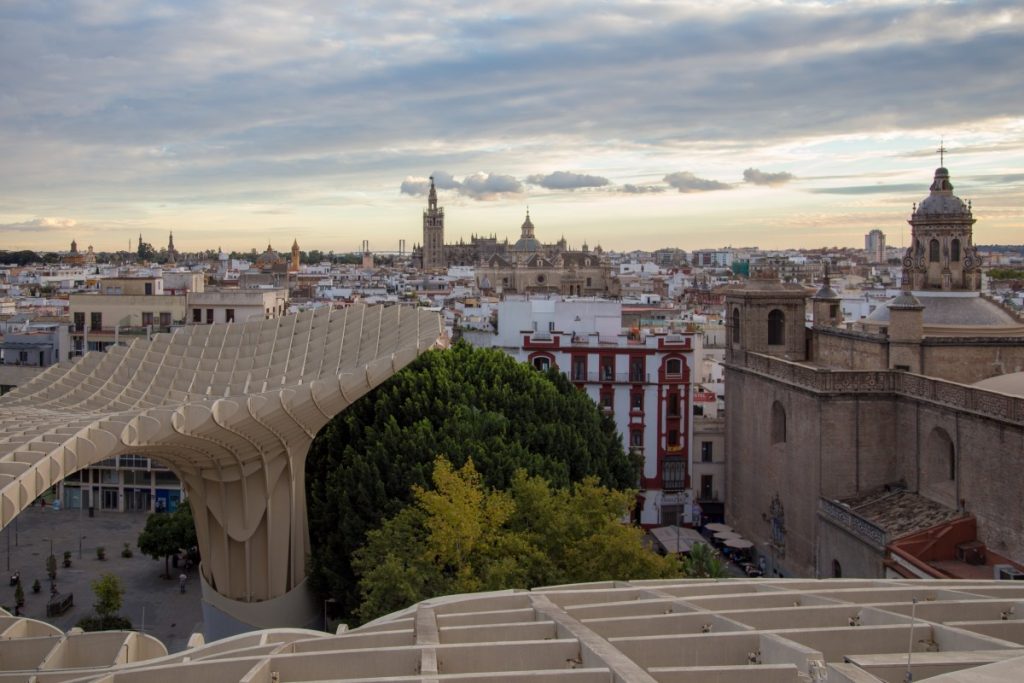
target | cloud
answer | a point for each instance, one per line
(870, 189)
(477, 186)
(489, 185)
(684, 181)
(417, 187)
(756, 177)
(641, 189)
(566, 180)
(39, 225)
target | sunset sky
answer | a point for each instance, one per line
(627, 124)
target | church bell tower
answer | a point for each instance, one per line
(433, 232)
(941, 255)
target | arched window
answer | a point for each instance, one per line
(674, 367)
(542, 363)
(778, 423)
(837, 570)
(933, 251)
(776, 328)
(954, 250)
(735, 326)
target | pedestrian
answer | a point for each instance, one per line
(181, 581)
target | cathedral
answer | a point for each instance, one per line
(890, 446)
(526, 266)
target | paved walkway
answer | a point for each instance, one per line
(150, 601)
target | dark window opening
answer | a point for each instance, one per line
(776, 328)
(673, 472)
(778, 423)
(197, 315)
(707, 487)
(933, 251)
(706, 451)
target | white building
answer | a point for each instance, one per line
(642, 380)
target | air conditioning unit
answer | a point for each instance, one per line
(972, 552)
(1007, 572)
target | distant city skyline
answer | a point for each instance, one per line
(629, 125)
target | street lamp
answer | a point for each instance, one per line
(331, 601)
(80, 538)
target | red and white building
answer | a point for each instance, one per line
(642, 378)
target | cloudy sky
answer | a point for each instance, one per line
(629, 124)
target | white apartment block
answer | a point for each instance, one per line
(641, 379)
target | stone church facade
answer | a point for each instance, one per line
(848, 443)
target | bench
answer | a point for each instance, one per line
(59, 604)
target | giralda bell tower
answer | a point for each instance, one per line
(433, 232)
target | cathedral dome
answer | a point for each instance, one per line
(952, 314)
(941, 199)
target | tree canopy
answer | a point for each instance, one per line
(463, 537)
(167, 533)
(461, 403)
(109, 594)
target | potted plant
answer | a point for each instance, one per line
(36, 587)
(127, 550)
(67, 558)
(101, 553)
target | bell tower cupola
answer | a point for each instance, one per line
(942, 255)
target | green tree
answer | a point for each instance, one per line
(463, 537)
(702, 563)
(464, 402)
(109, 595)
(167, 533)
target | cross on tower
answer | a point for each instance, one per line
(942, 153)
